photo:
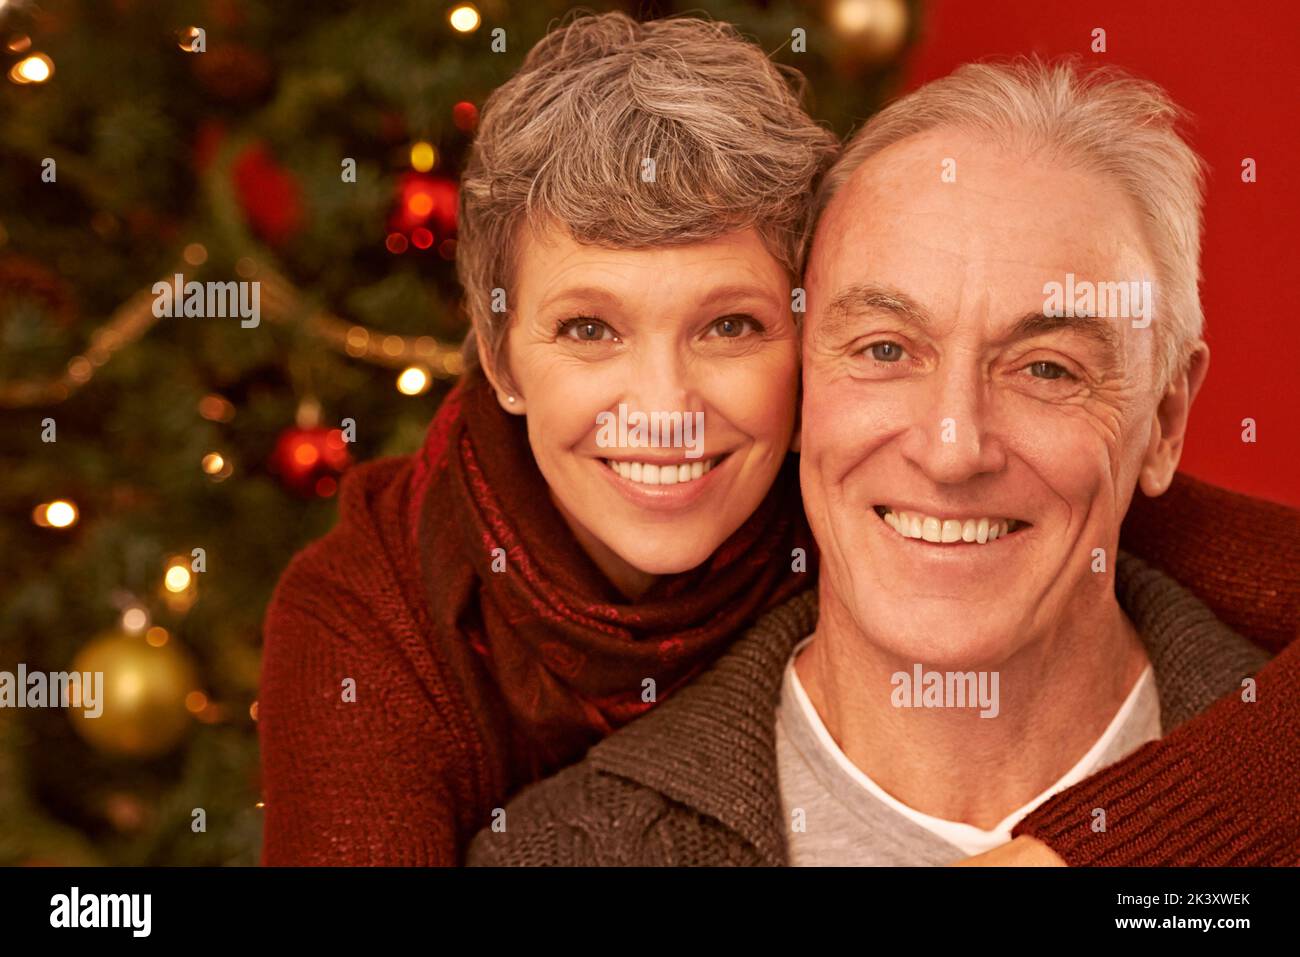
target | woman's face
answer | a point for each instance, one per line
(660, 391)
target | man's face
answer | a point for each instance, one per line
(934, 387)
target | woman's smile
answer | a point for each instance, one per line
(662, 484)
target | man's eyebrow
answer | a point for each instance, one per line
(865, 297)
(1099, 330)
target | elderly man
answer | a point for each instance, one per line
(1003, 343)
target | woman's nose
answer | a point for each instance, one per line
(662, 379)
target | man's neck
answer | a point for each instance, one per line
(1057, 696)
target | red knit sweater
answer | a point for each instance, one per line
(357, 785)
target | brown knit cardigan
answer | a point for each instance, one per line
(694, 782)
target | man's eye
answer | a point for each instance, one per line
(584, 329)
(885, 351)
(1049, 370)
(732, 327)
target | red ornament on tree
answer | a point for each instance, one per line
(309, 461)
(268, 194)
(425, 202)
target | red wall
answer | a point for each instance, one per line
(1235, 64)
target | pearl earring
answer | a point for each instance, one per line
(510, 399)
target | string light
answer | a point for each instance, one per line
(413, 381)
(187, 38)
(420, 204)
(281, 302)
(57, 514)
(464, 18)
(177, 579)
(134, 620)
(36, 68)
(423, 157)
(216, 408)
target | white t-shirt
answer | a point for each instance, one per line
(848, 819)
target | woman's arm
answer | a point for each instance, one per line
(353, 751)
(1222, 789)
(1239, 555)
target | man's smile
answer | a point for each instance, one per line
(947, 530)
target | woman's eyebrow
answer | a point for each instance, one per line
(731, 293)
(735, 292)
(580, 294)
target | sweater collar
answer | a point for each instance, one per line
(712, 747)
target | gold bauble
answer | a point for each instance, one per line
(870, 31)
(143, 695)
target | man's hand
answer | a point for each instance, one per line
(1022, 852)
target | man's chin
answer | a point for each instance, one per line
(944, 633)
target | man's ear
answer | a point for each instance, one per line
(507, 397)
(1169, 428)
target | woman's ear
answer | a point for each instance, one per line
(507, 397)
(1169, 427)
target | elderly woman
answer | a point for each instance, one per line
(532, 579)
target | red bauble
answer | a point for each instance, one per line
(268, 194)
(465, 115)
(428, 202)
(309, 461)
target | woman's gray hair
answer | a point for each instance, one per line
(634, 135)
(1101, 120)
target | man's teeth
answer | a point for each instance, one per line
(647, 473)
(931, 529)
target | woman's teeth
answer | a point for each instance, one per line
(647, 473)
(931, 529)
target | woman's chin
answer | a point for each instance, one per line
(668, 559)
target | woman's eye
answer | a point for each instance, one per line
(1048, 370)
(885, 351)
(732, 327)
(586, 330)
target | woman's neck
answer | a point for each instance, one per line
(631, 581)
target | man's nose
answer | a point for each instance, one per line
(952, 437)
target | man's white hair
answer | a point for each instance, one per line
(1100, 120)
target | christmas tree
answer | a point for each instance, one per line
(160, 470)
